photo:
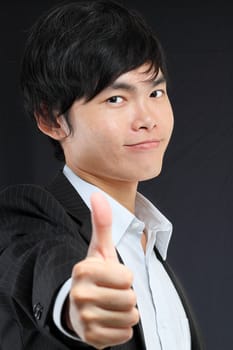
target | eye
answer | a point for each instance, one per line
(115, 100)
(157, 93)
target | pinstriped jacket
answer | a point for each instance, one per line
(43, 233)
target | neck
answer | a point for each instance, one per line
(123, 192)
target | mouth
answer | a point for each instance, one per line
(144, 145)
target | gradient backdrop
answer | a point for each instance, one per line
(196, 185)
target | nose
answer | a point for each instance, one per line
(144, 117)
(144, 123)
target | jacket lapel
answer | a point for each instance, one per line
(196, 342)
(69, 198)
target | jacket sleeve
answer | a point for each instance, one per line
(39, 244)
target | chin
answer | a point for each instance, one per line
(150, 175)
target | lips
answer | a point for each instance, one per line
(144, 145)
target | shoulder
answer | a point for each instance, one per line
(27, 209)
(27, 198)
(57, 208)
(22, 191)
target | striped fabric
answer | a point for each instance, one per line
(43, 233)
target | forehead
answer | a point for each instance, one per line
(142, 74)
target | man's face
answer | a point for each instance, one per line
(122, 133)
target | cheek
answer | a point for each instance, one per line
(171, 123)
(108, 134)
(98, 139)
(169, 120)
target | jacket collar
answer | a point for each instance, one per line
(68, 197)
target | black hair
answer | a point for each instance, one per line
(78, 49)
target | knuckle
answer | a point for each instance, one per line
(81, 295)
(77, 294)
(130, 299)
(128, 334)
(93, 338)
(80, 270)
(132, 318)
(135, 316)
(128, 277)
(87, 317)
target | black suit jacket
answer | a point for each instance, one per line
(43, 233)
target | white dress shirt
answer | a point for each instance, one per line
(162, 315)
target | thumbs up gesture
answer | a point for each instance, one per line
(101, 308)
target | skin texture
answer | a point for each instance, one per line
(117, 139)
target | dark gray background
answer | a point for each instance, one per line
(195, 187)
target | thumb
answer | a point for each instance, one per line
(101, 244)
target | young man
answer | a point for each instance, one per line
(94, 80)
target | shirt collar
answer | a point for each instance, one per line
(155, 222)
(145, 212)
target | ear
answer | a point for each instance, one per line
(57, 130)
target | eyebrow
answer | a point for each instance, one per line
(129, 87)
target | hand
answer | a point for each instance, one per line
(102, 303)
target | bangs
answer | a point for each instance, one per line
(129, 56)
(80, 49)
(119, 44)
